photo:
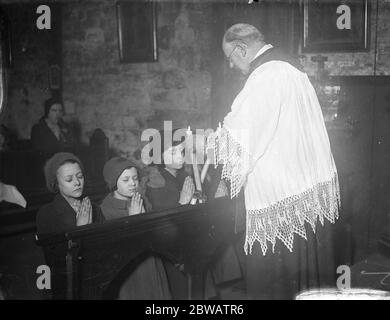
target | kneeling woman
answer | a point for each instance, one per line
(148, 281)
(70, 208)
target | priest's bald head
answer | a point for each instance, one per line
(240, 45)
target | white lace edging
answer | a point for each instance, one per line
(236, 161)
(288, 216)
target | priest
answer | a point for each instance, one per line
(274, 146)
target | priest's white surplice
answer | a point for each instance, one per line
(274, 144)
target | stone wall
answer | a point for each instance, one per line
(124, 99)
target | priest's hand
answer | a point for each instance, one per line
(187, 192)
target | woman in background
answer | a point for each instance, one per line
(148, 281)
(51, 134)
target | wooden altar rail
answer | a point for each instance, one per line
(97, 258)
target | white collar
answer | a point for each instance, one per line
(262, 50)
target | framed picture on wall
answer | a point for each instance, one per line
(137, 31)
(335, 25)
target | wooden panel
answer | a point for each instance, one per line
(362, 157)
(353, 160)
(379, 214)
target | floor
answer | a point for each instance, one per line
(233, 291)
(370, 274)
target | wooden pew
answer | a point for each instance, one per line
(17, 220)
(95, 259)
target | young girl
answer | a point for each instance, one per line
(172, 186)
(70, 207)
(124, 199)
(148, 281)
